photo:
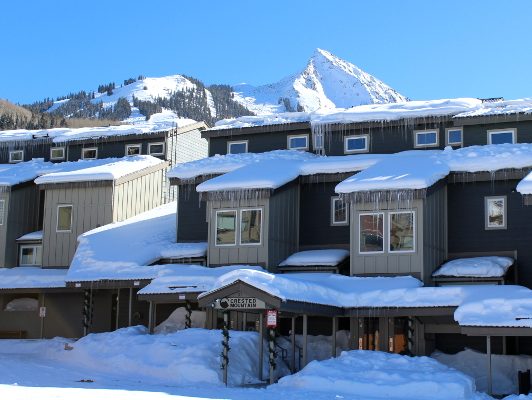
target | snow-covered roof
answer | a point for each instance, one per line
(501, 107)
(476, 305)
(189, 278)
(475, 267)
(330, 257)
(37, 235)
(363, 113)
(31, 278)
(108, 169)
(13, 174)
(157, 123)
(123, 250)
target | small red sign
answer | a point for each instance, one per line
(271, 319)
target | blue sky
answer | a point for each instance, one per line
(423, 49)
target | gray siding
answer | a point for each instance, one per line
(91, 208)
(283, 237)
(478, 134)
(239, 254)
(387, 263)
(191, 217)
(434, 232)
(21, 217)
(137, 195)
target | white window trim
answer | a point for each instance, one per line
(414, 231)
(229, 144)
(383, 233)
(449, 143)
(364, 150)
(216, 228)
(29, 246)
(421, 146)
(240, 226)
(339, 223)
(57, 158)
(315, 138)
(3, 213)
(296, 137)
(89, 149)
(11, 156)
(156, 144)
(492, 132)
(57, 218)
(129, 146)
(505, 214)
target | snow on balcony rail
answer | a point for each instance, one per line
(475, 267)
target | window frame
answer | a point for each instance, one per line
(414, 223)
(29, 246)
(62, 148)
(366, 144)
(448, 142)
(334, 199)
(83, 150)
(383, 232)
(216, 227)
(239, 223)
(135, 145)
(11, 161)
(156, 144)
(232, 142)
(2, 211)
(425, 131)
(318, 137)
(71, 218)
(491, 132)
(504, 216)
(290, 137)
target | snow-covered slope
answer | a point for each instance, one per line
(326, 82)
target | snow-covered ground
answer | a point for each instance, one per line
(130, 364)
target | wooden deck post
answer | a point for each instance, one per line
(293, 340)
(305, 339)
(130, 308)
(488, 354)
(334, 329)
(117, 319)
(261, 344)
(150, 318)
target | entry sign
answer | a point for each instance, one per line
(271, 319)
(42, 312)
(239, 303)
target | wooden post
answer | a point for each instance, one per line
(150, 318)
(305, 339)
(272, 354)
(261, 344)
(225, 345)
(117, 319)
(293, 340)
(130, 308)
(504, 348)
(488, 354)
(188, 316)
(86, 312)
(43, 304)
(334, 329)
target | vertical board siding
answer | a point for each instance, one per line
(435, 232)
(190, 219)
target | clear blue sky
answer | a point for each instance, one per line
(424, 49)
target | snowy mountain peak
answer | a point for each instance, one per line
(327, 82)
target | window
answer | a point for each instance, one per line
(318, 140)
(156, 149)
(298, 142)
(501, 136)
(401, 231)
(90, 153)
(371, 228)
(237, 147)
(225, 228)
(30, 255)
(454, 136)
(16, 156)
(356, 144)
(64, 218)
(339, 211)
(426, 138)
(57, 153)
(250, 226)
(132, 149)
(495, 212)
(2, 211)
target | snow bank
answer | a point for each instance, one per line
(316, 257)
(480, 267)
(474, 364)
(31, 278)
(378, 375)
(176, 321)
(112, 170)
